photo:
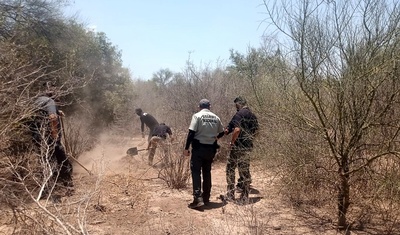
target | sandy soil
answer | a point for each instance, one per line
(123, 195)
(136, 201)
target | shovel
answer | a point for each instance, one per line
(134, 151)
(66, 145)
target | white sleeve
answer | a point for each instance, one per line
(193, 124)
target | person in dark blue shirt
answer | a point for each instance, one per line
(243, 127)
(148, 120)
(159, 138)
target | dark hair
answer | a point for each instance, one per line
(240, 100)
(162, 124)
(50, 94)
(138, 110)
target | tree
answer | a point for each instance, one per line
(257, 73)
(39, 49)
(344, 57)
(162, 77)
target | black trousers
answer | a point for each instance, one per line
(61, 165)
(200, 165)
(52, 152)
(64, 164)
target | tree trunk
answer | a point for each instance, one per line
(343, 194)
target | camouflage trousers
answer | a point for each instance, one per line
(240, 159)
(160, 142)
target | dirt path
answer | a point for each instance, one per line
(124, 195)
(133, 200)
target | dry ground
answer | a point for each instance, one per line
(127, 197)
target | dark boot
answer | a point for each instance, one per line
(197, 202)
(244, 196)
(239, 187)
(66, 185)
(206, 198)
(229, 196)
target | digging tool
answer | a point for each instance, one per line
(134, 151)
(65, 145)
(80, 164)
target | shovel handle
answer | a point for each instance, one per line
(65, 144)
(80, 164)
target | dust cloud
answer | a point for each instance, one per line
(107, 156)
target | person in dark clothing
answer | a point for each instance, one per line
(243, 127)
(148, 120)
(47, 135)
(159, 138)
(204, 130)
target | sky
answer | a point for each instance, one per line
(161, 34)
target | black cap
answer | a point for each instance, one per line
(204, 103)
(240, 100)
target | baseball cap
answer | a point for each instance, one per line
(204, 103)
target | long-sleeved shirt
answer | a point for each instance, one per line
(149, 120)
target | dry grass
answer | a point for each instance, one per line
(76, 137)
(125, 196)
(176, 173)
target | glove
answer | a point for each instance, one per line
(61, 113)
